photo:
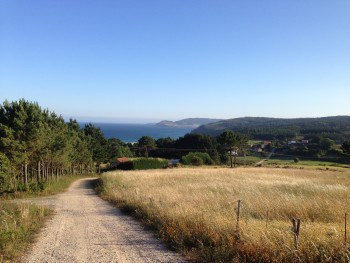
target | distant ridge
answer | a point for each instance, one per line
(187, 123)
(335, 127)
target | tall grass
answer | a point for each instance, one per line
(194, 210)
(19, 223)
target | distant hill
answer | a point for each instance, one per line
(336, 127)
(190, 122)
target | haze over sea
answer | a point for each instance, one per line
(133, 132)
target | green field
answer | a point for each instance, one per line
(306, 163)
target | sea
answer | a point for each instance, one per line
(133, 132)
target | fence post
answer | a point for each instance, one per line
(237, 233)
(345, 229)
(296, 229)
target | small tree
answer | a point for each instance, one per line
(326, 144)
(231, 142)
(197, 158)
(147, 143)
(346, 147)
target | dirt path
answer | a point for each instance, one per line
(267, 158)
(88, 229)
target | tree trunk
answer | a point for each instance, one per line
(26, 173)
(52, 172)
(38, 178)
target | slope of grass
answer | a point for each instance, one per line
(195, 211)
(19, 223)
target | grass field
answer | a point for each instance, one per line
(19, 223)
(306, 164)
(194, 209)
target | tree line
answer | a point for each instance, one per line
(37, 146)
(217, 148)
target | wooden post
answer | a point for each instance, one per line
(296, 229)
(345, 230)
(239, 204)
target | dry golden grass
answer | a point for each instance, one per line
(195, 210)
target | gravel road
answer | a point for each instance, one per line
(87, 229)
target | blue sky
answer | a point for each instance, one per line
(141, 61)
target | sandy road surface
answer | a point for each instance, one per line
(87, 229)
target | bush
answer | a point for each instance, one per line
(149, 163)
(41, 185)
(296, 159)
(33, 187)
(21, 187)
(143, 164)
(197, 158)
(126, 166)
(37, 186)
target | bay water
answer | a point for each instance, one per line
(133, 132)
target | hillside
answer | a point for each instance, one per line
(190, 122)
(335, 127)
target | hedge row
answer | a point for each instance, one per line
(143, 164)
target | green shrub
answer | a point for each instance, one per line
(33, 187)
(37, 186)
(41, 185)
(149, 163)
(126, 166)
(197, 158)
(143, 164)
(21, 187)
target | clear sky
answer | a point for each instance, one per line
(147, 60)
